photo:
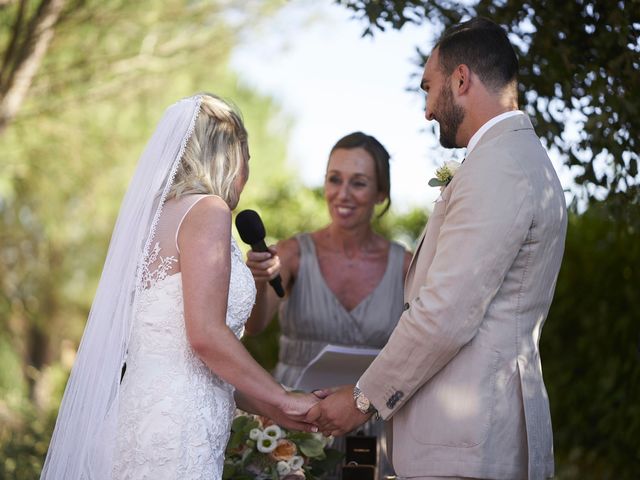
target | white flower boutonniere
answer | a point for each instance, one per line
(445, 174)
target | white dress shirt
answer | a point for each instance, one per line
(473, 141)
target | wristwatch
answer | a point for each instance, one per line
(362, 402)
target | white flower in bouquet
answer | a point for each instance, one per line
(283, 468)
(266, 444)
(296, 462)
(255, 434)
(273, 431)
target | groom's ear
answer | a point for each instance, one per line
(461, 79)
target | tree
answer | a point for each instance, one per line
(26, 47)
(590, 348)
(579, 76)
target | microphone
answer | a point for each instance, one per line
(251, 230)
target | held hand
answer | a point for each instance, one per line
(337, 413)
(298, 404)
(264, 266)
(292, 412)
(294, 420)
(325, 392)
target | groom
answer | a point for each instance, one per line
(461, 376)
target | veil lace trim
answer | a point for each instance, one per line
(145, 278)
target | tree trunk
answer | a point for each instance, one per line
(27, 60)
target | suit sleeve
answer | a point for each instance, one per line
(487, 219)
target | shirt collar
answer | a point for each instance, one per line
(483, 129)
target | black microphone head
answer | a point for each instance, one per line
(250, 227)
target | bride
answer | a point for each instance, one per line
(151, 394)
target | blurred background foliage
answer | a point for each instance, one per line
(591, 347)
(69, 147)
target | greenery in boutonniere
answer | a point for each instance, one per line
(258, 449)
(445, 174)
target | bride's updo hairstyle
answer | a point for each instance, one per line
(216, 154)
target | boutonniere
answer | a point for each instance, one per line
(444, 174)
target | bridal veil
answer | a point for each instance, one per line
(82, 442)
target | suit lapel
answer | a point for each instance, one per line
(518, 122)
(412, 264)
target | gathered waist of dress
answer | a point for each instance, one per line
(300, 351)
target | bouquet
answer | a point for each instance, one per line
(259, 449)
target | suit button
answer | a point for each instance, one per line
(394, 399)
(405, 307)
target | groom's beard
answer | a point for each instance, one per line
(450, 117)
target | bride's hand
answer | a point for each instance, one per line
(291, 413)
(297, 404)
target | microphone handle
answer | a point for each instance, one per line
(275, 282)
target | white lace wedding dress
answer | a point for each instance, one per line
(175, 414)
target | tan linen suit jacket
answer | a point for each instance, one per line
(461, 374)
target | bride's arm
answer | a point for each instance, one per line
(204, 242)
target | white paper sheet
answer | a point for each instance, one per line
(335, 365)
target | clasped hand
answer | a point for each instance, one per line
(336, 412)
(331, 411)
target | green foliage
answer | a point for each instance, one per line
(24, 438)
(240, 428)
(579, 63)
(402, 227)
(264, 346)
(590, 348)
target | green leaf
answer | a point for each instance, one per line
(229, 471)
(239, 423)
(434, 182)
(311, 447)
(297, 437)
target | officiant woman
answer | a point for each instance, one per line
(344, 282)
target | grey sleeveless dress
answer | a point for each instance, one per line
(312, 317)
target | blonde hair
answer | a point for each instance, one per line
(215, 155)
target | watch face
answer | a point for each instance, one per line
(362, 403)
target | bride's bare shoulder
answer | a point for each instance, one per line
(209, 217)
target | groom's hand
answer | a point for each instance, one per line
(337, 413)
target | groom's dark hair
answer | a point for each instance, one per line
(484, 47)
